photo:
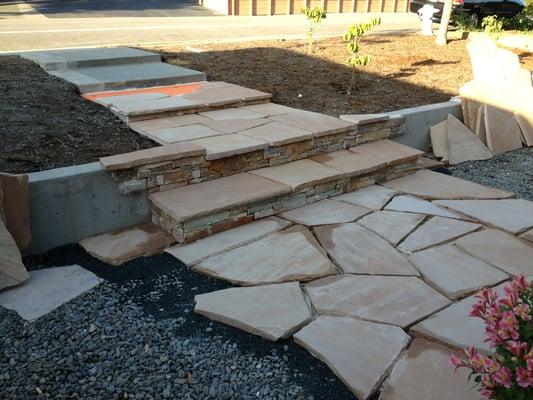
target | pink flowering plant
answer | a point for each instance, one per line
(507, 374)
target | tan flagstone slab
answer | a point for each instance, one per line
(181, 133)
(234, 125)
(419, 206)
(429, 163)
(187, 202)
(391, 225)
(481, 130)
(195, 252)
(12, 270)
(271, 311)
(434, 185)
(149, 156)
(270, 109)
(439, 141)
(397, 300)
(15, 207)
(325, 212)
(512, 215)
(528, 235)
(222, 146)
(499, 249)
(232, 113)
(277, 134)
(137, 105)
(503, 132)
(362, 119)
(319, 124)
(358, 250)
(290, 255)
(453, 272)
(387, 151)
(122, 245)
(464, 144)
(526, 127)
(454, 327)
(155, 124)
(299, 174)
(424, 372)
(222, 93)
(435, 231)
(373, 197)
(359, 352)
(350, 163)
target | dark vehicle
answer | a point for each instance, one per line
(477, 9)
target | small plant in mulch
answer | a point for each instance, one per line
(507, 374)
(353, 36)
(314, 18)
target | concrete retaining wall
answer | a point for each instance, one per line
(418, 120)
(69, 204)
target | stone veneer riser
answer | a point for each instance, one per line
(147, 115)
(171, 174)
(220, 220)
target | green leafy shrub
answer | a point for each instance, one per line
(465, 21)
(353, 36)
(314, 18)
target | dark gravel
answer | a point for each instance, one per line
(46, 124)
(136, 336)
(512, 171)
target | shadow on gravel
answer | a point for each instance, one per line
(165, 288)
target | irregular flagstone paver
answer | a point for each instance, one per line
(222, 93)
(499, 249)
(464, 144)
(436, 231)
(319, 124)
(392, 225)
(358, 250)
(325, 212)
(394, 300)
(502, 129)
(47, 289)
(299, 174)
(195, 252)
(270, 109)
(363, 119)
(229, 145)
(15, 207)
(350, 163)
(358, 352)
(232, 113)
(272, 311)
(434, 185)
(419, 206)
(373, 197)
(526, 126)
(290, 255)
(454, 327)
(424, 372)
(387, 151)
(528, 235)
(234, 125)
(197, 200)
(12, 270)
(439, 141)
(122, 245)
(155, 124)
(277, 134)
(181, 133)
(512, 215)
(454, 272)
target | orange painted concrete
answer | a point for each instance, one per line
(173, 90)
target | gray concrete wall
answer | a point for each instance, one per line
(69, 204)
(418, 120)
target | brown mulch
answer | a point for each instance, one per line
(406, 71)
(46, 124)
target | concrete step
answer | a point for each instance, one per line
(53, 60)
(164, 101)
(235, 140)
(195, 211)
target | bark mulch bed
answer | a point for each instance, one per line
(46, 124)
(406, 71)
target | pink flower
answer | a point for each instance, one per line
(503, 376)
(524, 378)
(508, 326)
(456, 362)
(523, 311)
(487, 393)
(529, 363)
(517, 348)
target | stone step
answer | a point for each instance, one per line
(235, 140)
(53, 60)
(195, 211)
(158, 102)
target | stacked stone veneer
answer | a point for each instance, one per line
(181, 171)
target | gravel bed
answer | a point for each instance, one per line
(135, 336)
(511, 171)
